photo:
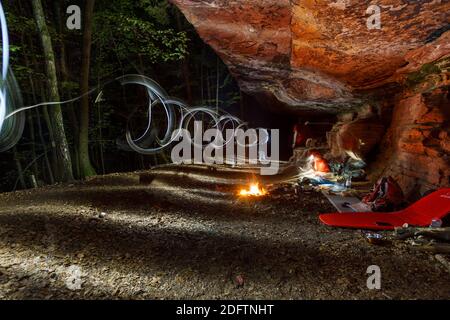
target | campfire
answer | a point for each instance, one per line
(254, 190)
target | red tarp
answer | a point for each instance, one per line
(421, 213)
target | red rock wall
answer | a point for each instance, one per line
(359, 136)
(315, 54)
(416, 148)
(318, 56)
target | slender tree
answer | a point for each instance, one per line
(65, 91)
(55, 111)
(83, 140)
(185, 64)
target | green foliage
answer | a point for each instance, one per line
(145, 36)
(70, 86)
(157, 11)
(20, 23)
(421, 75)
(136, 33)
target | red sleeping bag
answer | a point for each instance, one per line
(420, 214)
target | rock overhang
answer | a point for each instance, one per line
(320, 55)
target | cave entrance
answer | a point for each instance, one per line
(268, 113)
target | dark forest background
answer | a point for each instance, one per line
(78, 140)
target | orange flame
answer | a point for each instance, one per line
(254, 191)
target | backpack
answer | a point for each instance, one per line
(386, 196)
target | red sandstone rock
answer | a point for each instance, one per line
(359, 136)
(319, 56)
(415, 150)
(428, 53)
(445, 142)
(314, 54)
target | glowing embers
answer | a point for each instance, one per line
(254, 190)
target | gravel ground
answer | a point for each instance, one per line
(186, 235)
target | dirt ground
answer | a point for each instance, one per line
(185, 235)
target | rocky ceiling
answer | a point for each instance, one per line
(320, 54)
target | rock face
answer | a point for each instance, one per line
(359, 136)
(320, 54)
(323, 56)
(416, 148)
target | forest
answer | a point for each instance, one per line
(53, 63)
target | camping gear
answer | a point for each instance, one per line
(374, 238)
(354, 169)
(387, 195)
(436, 223)
(319, 163)
(301, 135)
(342, 204)
(421, 214)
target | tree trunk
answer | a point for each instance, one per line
(55, 112)
(19, 169)
(208, 84)
(33, 142)
(41, 136)
(86, 168)
(65, 93)
(51, 135)
(217, 84)
(185, 66)
(39, 89)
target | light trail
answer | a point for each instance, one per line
(11, 129)
(5, 65)
(177, 115)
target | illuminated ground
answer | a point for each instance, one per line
(187, 236)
